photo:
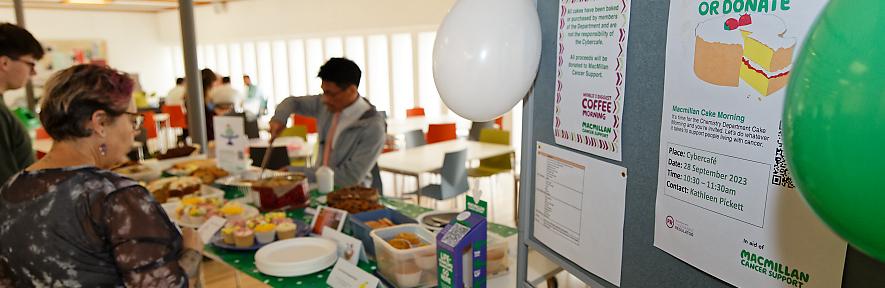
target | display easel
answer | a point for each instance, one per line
(643, 264)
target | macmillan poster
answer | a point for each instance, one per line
(590, 75)
(726, 203)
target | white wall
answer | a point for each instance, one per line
(132, 39)
(257, 19)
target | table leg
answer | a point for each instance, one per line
(552, 282)
(418, 191)
(237, 278)
(515, 188)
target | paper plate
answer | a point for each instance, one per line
(302, 231)
(296, 257)
(436, 220)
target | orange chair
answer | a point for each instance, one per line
(309, 122)
(150, 126)
(41, 133)
(441, 132)
(415, 112)
(176, 116)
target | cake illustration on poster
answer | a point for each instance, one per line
(752, 48)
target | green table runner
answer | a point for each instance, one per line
(244, 261)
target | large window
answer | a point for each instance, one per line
(428, 96)
(402, 73)
(280, 70)
(379, 73)
(249, 61)
(355, 49)
(236, 65)
(297, 74)
(397, 69)
(265, 74)
(222, 62)
(314, 61)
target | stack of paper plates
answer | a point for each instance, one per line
(296, 257)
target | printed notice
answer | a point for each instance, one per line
(725, 201)
(590, 75)
(579, 209)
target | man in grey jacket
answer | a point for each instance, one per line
(351, 131)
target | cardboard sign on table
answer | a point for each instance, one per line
(348, 247)
(230, 143)
(347, 275)
(210, 227)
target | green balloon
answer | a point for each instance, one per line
(834, 122)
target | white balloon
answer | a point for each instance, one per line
(486, 56)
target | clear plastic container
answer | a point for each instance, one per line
(497, 256)
(404, 268)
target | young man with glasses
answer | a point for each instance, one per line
(19, 52)
(351, 130)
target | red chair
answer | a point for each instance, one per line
(309, 122)
(441, 132)
(150, 126)
(41, 133)
(177, 118)
(500, 122)
(415, 112)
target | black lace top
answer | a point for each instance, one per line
(85, 227)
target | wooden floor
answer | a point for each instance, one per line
(217, 275)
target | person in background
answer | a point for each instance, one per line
(210, 82)
(224, 102)
(176, 95)
(225, 92)
(19, 52)
(255, 104)
(351, 130)
(67, 220)
(138, 94)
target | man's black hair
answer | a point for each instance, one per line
(16, 42)
(341, 71)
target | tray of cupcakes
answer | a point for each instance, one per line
(193, 211)
(253, 233)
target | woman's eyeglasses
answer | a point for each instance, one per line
(136, 119)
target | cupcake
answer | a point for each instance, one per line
(274, 217)
(265, 232)
(407, 275)
(232, 210)
(195, 215)
(244, 238)
(227, 234)
(286, 230)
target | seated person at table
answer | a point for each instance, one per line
(351, 131)
(19, 52)
(67, 220)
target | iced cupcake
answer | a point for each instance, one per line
(265, 232)
(244, 238)
(286, 230)
(195, 215)
(274, 217)
(227, 234)
(232, 210)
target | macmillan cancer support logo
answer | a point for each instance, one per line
(670, 222)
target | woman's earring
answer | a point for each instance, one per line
(103, 149)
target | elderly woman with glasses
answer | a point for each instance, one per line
(66, 221)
